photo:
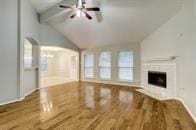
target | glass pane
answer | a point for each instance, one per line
(44, 63)
(89, 96)
(28, 54)
(88, 60)
(105, 59)
(74, 62)
(126, 74)
(88, 73)
(125, 59)
(105, 73)
(28, 62)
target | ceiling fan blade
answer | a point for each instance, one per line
(87, 15)
(93, 9)
(64, 6)
(99, 16)
(73, 16)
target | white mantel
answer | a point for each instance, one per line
(159, 59)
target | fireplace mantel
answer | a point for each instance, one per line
(155, 59)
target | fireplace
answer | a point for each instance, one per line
(160, 79)
(157, 78)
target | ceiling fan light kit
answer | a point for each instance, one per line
(80, 9)
(80, 13)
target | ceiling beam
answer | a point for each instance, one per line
(46, 15)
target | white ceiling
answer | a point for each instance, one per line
(42, 5)
(120, 21)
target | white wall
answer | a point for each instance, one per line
(8, 50)
(44, 35)
(63, 62)
(16, 24)
(135, 47)
(194, 41)
(29, 27)
(51, 65)
(59, 65)
(175, 38)
(50, 37)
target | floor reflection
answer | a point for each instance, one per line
(89, 96)
(46, 104)
(96, 96)
(43, 96)
(125, 97)
(105, 95)
(83, 95)
(47, 107)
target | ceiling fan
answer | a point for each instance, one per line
(81, 10)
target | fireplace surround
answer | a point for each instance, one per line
(163, 79)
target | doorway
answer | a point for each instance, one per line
(29, 72)
(58, 66)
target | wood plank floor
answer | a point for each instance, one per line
(91, 106)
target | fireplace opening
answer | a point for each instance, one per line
(157, 78)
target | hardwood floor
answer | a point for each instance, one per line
(83, 105)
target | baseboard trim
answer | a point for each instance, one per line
(120, 84)
(31, 92)
(18, 100)
(12, 101)
(188, 110)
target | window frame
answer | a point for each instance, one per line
(118, 67)
(99, 67)
(84, 67)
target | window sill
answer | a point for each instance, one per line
(105, 79)
(128, 81)
(89, 78)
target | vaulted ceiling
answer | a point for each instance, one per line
(119, 22)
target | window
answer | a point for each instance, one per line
(28, 54)
(44, 63)
(74, 62)
(105, 65)
(125, 64)
(88, 65)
